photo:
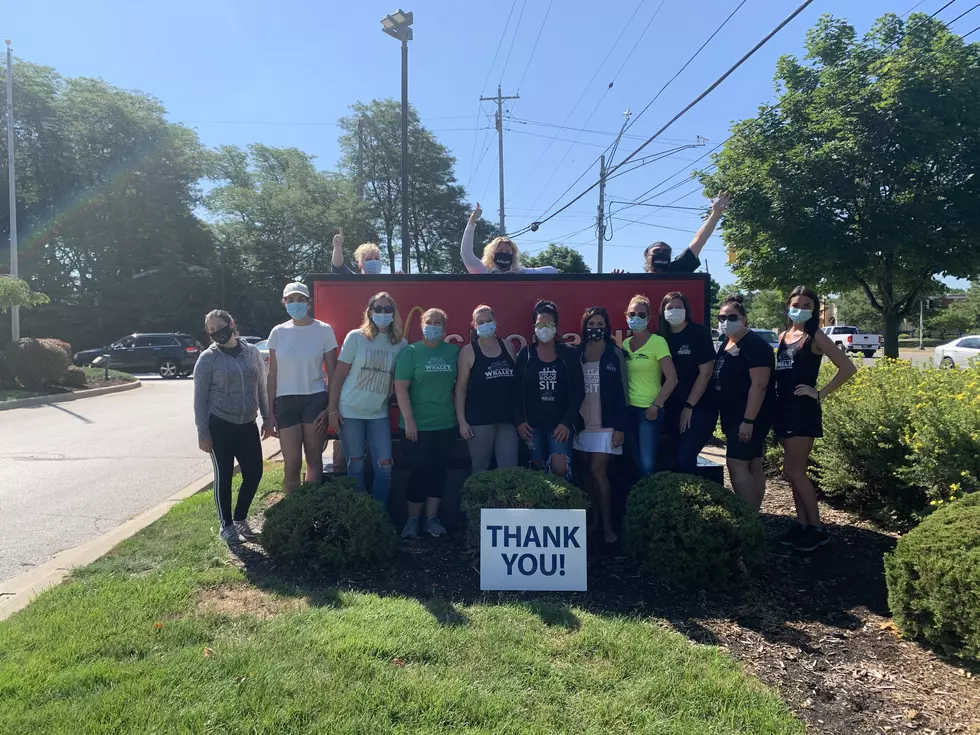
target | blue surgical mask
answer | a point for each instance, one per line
(487, 329)
(373, 267)
(432, 332)
(297, 309)
(382, 320)
(799, 316)
(637, 324)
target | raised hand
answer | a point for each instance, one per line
(477, 213)
(338, 239)
(721, 202)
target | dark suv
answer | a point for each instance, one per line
(169, 354)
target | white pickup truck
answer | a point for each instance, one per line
(850, 339)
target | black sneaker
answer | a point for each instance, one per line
(812, 538)
(789, 537)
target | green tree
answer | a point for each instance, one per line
(731, 289)
(863, 175)
(854, 309)
(562, 257)
(714, 299)
(767, 310)
(16, 292)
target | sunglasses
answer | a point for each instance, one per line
(384, 309)
(729, 318)
(640, 314)
(542, 325)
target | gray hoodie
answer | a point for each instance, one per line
(231, 388)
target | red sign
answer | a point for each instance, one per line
(340, 300)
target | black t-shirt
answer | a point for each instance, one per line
(546, 391)
(233, 351)
(732, 378)
(343, 269)
(689, 349)
(686, 262)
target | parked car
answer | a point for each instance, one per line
(959, 352)
(851, 339)
(252, 340)
(263, 348)
(169, 354)
(769, 336)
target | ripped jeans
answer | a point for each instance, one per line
(377, 432)
(544, 446)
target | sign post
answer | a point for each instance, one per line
(540, 550)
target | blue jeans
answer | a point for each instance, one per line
(377, 432)
(646, 438)
(544, 446)
(691, 442)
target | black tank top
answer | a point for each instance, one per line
(796, 364)
(490, 393)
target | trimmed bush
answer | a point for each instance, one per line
(933, 578)
(37, 363)
(74, 377)
(328, 528)
(692, 531)
(7, 379)
(58, 343)
(515, 487)
(901, 439)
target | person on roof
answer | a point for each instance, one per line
(499, 256)
(367, 257)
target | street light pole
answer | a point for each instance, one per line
(12, 185)
(399, 25)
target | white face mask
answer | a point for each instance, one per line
(732, 329)
(675, 316)
(545, 334)
(373, 267)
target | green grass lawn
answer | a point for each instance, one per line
(13, 394)
(165, 635)
(99, 374)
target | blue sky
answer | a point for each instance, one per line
(283, 73)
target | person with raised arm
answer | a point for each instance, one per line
(798, 419)
(484, 387)
(656, 258)
(367, 257)
(499, 256)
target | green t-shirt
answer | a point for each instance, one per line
(643, 369)
(432, 371)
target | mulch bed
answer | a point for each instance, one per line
(815, 627)
(91, 383)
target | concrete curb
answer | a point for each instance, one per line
(63, 397)
(17, 593)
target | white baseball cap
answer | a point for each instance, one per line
(296, 287)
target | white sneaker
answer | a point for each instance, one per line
(434, 527)
(229, 534)
(245, 531)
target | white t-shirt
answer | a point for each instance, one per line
(372, 369)
(299, 357)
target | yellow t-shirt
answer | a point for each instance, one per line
(643, 369)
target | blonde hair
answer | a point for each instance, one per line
(370, 330)
(480, 309)
(432, 312)
(642, 299)
(368, 248)
(493, 246)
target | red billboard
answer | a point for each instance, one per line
(340, 300)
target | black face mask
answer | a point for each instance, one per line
(594, 334)
(660, 260)
(503, 260)
(221, 336)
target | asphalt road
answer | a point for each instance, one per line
(72, 471)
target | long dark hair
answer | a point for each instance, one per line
(811, 325)
(663, 328)
(595, 311)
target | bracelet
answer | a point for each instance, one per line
(688, 404)
(656, 406)
(748, 421)
(332, 413)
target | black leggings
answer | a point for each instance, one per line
(230, 442)
(427, 461)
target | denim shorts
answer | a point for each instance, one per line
(543, 446)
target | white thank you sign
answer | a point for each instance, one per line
(532, 549)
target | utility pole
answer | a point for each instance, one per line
(12, 183)
(499, 99)
(921, 310)
(601, 210)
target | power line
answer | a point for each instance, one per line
(500, 43)
(513, 40)
(535, 46)
(687, 108)
(662, 139)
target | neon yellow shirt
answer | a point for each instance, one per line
(643, 369)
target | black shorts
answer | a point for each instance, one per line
(754, 448)
(295, 410)
(800, 416)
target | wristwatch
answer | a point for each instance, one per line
(688, 404)
(747, 420)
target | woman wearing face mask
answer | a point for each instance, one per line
(484, 390)
(367, 257)
(550, 391)
(691, 412)
(798, 420)
(425, 374)
(604, 413)
(652, 380)
(499, 256)
(361, 386)
(743, 385)
(229, 392)
(298, 351)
